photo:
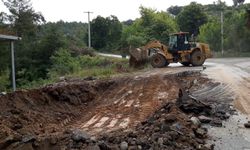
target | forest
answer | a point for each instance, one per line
(52, 49)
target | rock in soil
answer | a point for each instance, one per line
(124, 145)
(204, 119)
(216, 122)
(201, 132)
(247, 125)
(79, 135)
(195, 121)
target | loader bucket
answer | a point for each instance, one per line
(138, 57)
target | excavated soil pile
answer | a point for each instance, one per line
(135, 112)
(26, 115)
(169, 128)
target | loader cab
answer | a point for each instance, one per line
(179, 41)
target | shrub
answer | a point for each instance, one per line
(63, 63)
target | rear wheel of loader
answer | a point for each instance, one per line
(185, 63)
(197, 59)
(158, 61)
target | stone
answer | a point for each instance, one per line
(195, 121)
(79, 135)
(92, 147)
(157, 129)
(53, 141)
(124, 145)
(132, 135)
(28, 138)
(204, 119)
(201, 132)
(160, 141)
(216, 122)
(17, 126)
(132, 148)
(170, 118)
(247, 125)
(103, 146)
(195, 81)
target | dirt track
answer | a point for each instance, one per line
(103, 106)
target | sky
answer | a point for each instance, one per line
(73, 10)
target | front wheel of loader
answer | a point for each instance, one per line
(197, 59)
(158, 61)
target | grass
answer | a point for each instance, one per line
(98, 67)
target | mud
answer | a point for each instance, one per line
(136, 112)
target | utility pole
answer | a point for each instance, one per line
(13, 66)
(222, 32)
(88, 12)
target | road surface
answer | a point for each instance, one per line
(235, 72)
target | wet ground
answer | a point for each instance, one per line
(235, 73)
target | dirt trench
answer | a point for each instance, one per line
(97, 110)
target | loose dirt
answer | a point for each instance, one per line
(140, 111)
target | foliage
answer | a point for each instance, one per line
(64, 63)
(106, 33)
(211, 33)
(236, 32)
(4, 80)
(39, 40)
(191, 18)
(152, 25)
(132, 36)
(4, 56)
(23, 17)
(73, 32)
(3, 18)
(49, 50)
(174, 10)
(238, 2)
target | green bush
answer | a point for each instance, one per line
(4, 80)
(63, 63)
(97, 61)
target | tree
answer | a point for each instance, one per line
(157, 25)
(3, 18)
(49, 43)
(238, 2)
(210, 33)
(236, 32)
(99, 32)
(25, 23)
(191, 18)
(106, 33)
(23, 17)
(174, 10)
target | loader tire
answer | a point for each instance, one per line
(158, 61)
(185, 63)
(197, 59)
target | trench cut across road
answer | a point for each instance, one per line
(11, 39)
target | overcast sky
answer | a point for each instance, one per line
(73, 10)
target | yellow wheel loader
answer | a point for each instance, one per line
(180, 49)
